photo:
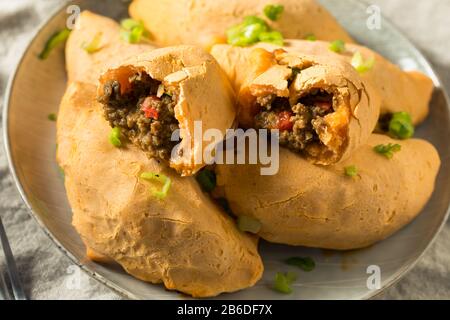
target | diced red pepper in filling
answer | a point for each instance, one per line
(284, 122)
(149, 107)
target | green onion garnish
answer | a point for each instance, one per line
(337, 46)
(362, 65)
(387, 150)
(251, 31)
(273, 11)
(311, 37)
(306, 264)
(248, 20)
(114, 137)
(130, 24)
(351, 171)
(274, 37)
(94, 45)
(53, 42)
(133, 31)
(248, 224)
(401, 126)
(247, 33)
(166, 181)
(283, 282)
(52, 117)
(207, 180)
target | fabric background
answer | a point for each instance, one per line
(47, 273)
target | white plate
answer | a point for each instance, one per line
(36, 90)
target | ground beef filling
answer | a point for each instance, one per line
(144, 114)
(298, 124)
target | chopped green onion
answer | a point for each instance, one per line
(306, 264)
(388, 150)
(274, 37)
(166, 181)
(283, 282)
(114, 137)
(251, 31)
(351, 171)
(357, 60)
(136, 34)
(94, 45)
(248, 224)
(291, 276)
(337, 46)
(132, 31)
(52, 117)
(249, 20)
(311, 37)
(129, 24)
(53, 42)
(234, 34)
(401, 126)
(245, 35)
(207, 180)
(362, 65)
(273, 11)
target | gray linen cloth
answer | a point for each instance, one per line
(48, 274)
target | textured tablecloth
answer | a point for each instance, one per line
(48, 274)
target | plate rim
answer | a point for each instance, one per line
(438, 84)
(110, 284)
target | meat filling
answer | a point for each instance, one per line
(298, 124)
(144, 112)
